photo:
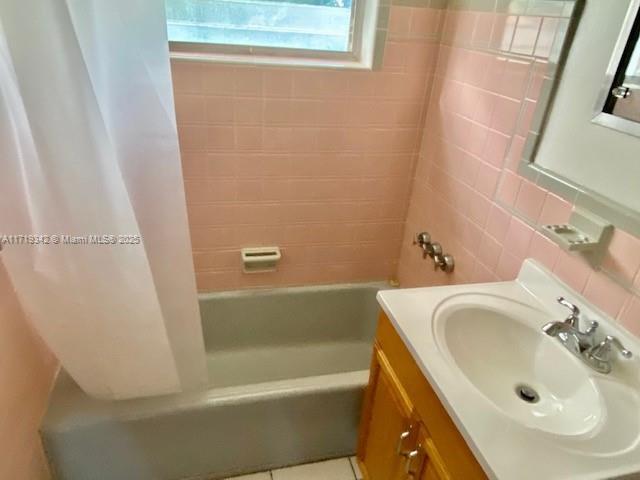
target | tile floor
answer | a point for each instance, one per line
(337, 469)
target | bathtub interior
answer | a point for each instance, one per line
(287, 365)
(268, 335)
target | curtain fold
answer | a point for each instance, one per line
(89, 147)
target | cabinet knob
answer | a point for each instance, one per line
(400, 450)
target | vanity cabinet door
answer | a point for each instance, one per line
(386, 416)
(431, 466)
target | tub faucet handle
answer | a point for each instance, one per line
(423, 240)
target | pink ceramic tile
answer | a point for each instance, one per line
(509, 188)
(278, 83)
(192, 137)
(515, 79)
(464, 27)
(248, 81)
(219, 110)
(515, 155)
(248, 138)
(508, 266)
(495, 148)
(505, 115)
(487, 180)
(220, 138)
(630, 315)
(296, 156)
(623, 256)
(187, 77)
(555, 210)
(482, 274)
(471, 236)
(190, 109)
(572, 270)
(544, 250)
(479, 208)
(194, 164)
(530, 200)
(216, 79)
(518, 238)
(525, 122)
(605, 294)
(248, 111)
(395, 55)
(400, 22)
(493, 73)
(483, 30)
(425, 22)
(498, 223)
(278, 111)
(489, 252)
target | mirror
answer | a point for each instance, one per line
(620, 98)
(581, 142)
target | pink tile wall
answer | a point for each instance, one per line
(318, 162)
(26, 374)
(466, 188)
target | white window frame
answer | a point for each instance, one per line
(361, 56)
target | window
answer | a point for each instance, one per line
(336, 32)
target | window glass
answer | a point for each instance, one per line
(300, 24)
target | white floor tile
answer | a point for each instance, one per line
(338, 469)
(253, 476)
(356, 469)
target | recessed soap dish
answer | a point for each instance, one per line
(260, 260)
(585, 233)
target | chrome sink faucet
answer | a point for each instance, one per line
(569, 331)
(582, 343)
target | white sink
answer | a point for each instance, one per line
(527, 376)
(480, 345)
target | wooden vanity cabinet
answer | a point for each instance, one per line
(405, 432)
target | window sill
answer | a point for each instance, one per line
(273, 60)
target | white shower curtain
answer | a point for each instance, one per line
(88, 146)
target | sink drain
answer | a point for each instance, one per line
(526, 393)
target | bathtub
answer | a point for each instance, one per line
(287, 370)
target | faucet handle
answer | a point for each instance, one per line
(602, 351)
(422, 238)
(575, 311)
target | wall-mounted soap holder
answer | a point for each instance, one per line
(260, 259)
(585, 233)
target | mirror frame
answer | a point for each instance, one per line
(580, 196)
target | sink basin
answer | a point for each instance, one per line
(497, 345)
